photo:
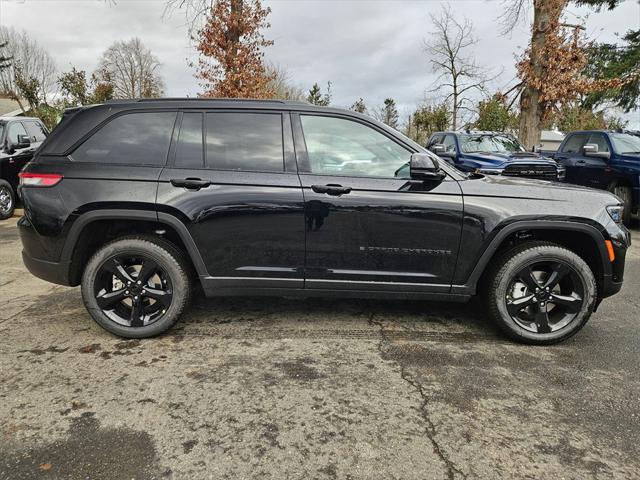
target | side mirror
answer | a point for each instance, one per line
(424, 167)
(441, 150)
(23, 141)
(591, 150)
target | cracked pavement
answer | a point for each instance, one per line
(302, 389)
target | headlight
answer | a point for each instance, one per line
(489, 171)
(615, 212)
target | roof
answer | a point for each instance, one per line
(208, 101)
(9, 118)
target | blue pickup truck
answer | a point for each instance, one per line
(609, 160)
(493, 153)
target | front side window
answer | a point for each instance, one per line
(599, 140)
(490, 143)
(575, 143)
(36, 131)
(134, 138)
(338, 146)
(625, 143)
(245, 141)
(450, 143)
(15, 129)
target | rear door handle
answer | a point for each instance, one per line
(190, 183)
(331, 189)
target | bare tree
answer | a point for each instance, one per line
(29, 62)
(459, 73)
(132, 70)
(195, 12)
(281, 85)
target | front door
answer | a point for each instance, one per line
(230, 181)
(368, 226)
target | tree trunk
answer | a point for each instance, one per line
(531, 111)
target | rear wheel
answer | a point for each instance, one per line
(625, 194)
(540, 293)
(7, 200)
(136, 287)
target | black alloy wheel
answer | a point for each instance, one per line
(545, 297)
(137, 287)
(133, 291)
(540, 292)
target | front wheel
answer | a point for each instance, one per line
(7, 200)
(136, 287)
(540, 293)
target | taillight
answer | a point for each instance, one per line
(39, 179)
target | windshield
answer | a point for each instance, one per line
(489, 143)
(625, 143)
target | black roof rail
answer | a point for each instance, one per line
(206, 99)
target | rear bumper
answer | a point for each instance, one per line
(54, 272)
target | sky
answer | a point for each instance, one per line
(368, 49)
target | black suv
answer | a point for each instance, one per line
(19, 139)
(136, 200)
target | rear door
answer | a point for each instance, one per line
(232, 181)
(369, 227)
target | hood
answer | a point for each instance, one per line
(501, 159)
(527, 188)
(631, 157)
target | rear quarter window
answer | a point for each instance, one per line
(134, 138)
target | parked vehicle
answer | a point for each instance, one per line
(609, 160)
(492, 153)
(135, 201)
(19, 138)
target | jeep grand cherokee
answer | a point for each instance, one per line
(137, 200)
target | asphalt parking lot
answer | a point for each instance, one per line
(301, 389)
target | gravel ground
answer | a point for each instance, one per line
(300, 389)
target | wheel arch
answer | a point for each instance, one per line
(583, 239)
(93, 229)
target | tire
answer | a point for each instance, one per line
(148, 307)
(7, 200)
(625, 194)
(519, 313)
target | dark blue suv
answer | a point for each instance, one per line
(607, 160)
(492, 153)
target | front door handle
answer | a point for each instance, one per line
(331, 189)
(190, 183)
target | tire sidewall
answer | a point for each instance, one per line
(165, 261)
(553, 254)
(5, 185)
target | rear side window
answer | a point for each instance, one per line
(36, 131)
(575, 143)
(134, 138)
(245, 141)
(190, 148)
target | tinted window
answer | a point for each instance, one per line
(599, 140)
(190, 149)
(135, 138)
(450, 143)
(435, 140)
(15, 129)
(342, 147)
(36, 131)
(575, 143)
(245, 141)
